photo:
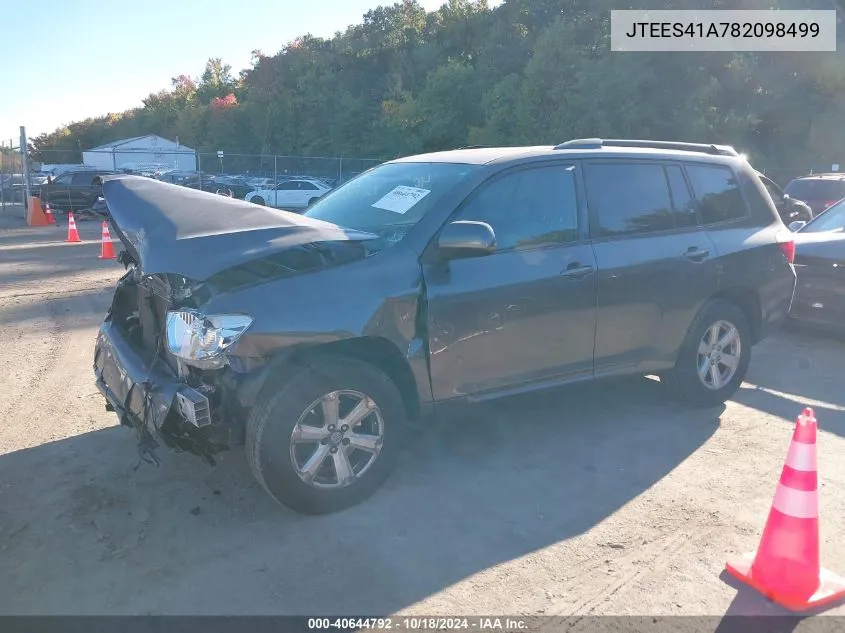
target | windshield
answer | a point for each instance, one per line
(390, 199)
(831, 220)
(816, 189)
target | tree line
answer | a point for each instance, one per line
(525, 72)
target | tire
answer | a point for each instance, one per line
(684, 381)
(258, 200)
(311, 202)
(287, 399)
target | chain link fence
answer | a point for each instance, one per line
(231, 174)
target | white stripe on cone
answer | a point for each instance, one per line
(802, 457)
(798, 504)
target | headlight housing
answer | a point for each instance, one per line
(200, 339)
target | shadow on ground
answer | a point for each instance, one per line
(750, 611)
(82, 532)
(793, 371)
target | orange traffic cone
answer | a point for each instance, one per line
(786, 567)
(72, 233)
(106, 248)
(49, 214)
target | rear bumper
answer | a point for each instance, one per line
(148, 397)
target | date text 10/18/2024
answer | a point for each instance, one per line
(419, 623)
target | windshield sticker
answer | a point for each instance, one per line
(401, 199)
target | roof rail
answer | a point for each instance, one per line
(596, 143)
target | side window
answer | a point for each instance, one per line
(307, 186)
(527, 208)
(62, 180)
(682, 202)
(628, 198)
(82, 179)
(286, 186)
(718, 194)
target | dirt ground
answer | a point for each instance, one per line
(598, 500)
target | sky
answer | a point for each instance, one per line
(98, 57)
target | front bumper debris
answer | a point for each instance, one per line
(148, 397)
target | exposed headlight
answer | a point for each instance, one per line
(201, 339)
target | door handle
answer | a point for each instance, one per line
(576, 271)
(696, 255)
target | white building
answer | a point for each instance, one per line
(150, 152)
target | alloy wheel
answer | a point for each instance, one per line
(718, 355)
(337, 439)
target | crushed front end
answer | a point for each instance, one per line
(188, 405)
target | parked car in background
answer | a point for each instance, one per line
(75, 190)
(14, 188)
(291, 194)
(820, 265)
(188, 179)
(457, 276)
(261, 183)
(238, 187)
(789, 209)
(819, 191)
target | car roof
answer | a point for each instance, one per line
(499, 155)
(828, 176)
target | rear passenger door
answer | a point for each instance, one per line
(656, 266)
(744, 232)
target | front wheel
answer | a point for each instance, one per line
(258, 200)
(714, 358)
(326, 437)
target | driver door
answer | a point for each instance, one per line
(525, 314)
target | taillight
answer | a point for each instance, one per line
(788, 249)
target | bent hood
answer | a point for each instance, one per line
(196, 234)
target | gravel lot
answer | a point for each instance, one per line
(597, 500)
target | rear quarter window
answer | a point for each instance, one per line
(761, 196)
(717, 192)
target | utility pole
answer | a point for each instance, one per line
(25, 168)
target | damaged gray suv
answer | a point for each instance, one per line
(465, 275)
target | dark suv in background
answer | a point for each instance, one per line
(462, 275)
(75, 190)
(790, 209)
(818, 190)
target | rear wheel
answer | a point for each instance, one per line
(258, 200)
(326, 437)
(714, 358)
(311, 202)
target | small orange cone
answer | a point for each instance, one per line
(107, 248)
(72, 233)
(786, 567)
(49, 214)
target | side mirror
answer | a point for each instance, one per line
(797, 225)
(786, 198)
(466, 238)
